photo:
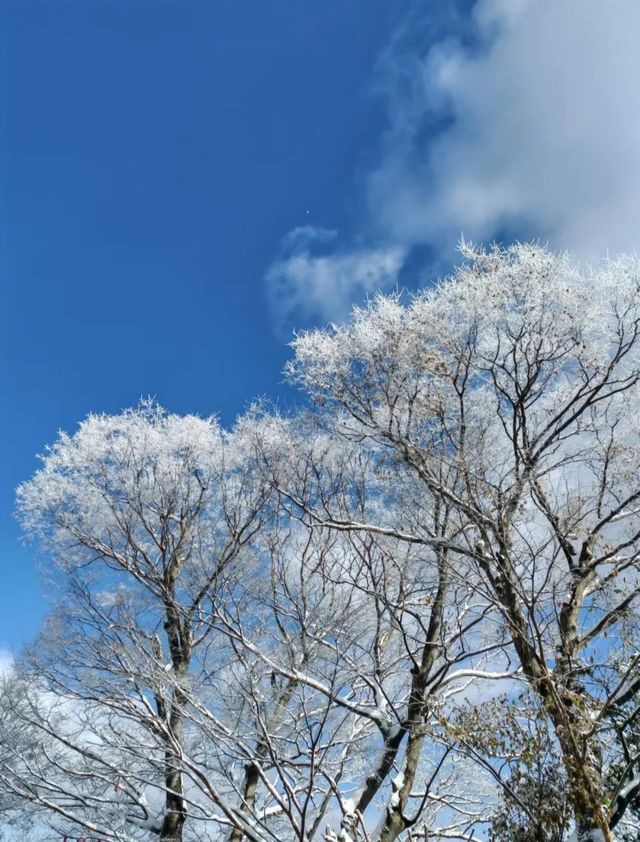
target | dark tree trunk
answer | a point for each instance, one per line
(175, 812)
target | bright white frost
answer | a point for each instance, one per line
(511, 389)
(522, 324)
(133, 484)
(455, 521)
(566, 312)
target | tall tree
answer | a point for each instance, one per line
(408, 611)
(141, 514)
(511, 392)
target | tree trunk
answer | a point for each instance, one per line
(251, 780)
(175, 812)
(396, 821)
(585, 788)
(252, 771)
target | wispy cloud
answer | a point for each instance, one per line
(521, 120)
(541, 116)
(307, 283)
(6, 663)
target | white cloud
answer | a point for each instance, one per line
(523, 120)
(305, 285)
(6, 663)
(543, 129)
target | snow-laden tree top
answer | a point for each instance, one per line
(145, 484)
(515, 307)
(409, 610)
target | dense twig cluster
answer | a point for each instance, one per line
(407, 612)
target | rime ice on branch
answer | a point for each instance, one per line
(408, 611)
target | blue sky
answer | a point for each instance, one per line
(183, 182)
(153, 156)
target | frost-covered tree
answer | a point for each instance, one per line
(510, 392)
(142, 515)
(407, 612)
(413, 639)
(219, 666)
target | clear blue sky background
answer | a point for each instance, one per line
(153, 154)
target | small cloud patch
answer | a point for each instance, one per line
(309, 282)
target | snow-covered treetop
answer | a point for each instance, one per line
(143, 483)
(524, 297)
